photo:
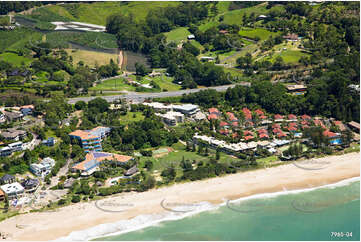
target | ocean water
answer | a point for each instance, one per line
(311, 214)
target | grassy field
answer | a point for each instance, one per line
(91, 58)
(289, 56)
(117, 84)
(15, 59)
(178, 34)
(131, 117)
(263, 34)
(97, 13)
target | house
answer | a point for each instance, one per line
(334, 138)
(17, 146)
(44, 168)
(27, 109)
(207, 58)
(261, 17)
(296, 89)
(292, 118)
(223, 124)
(5, 151)
(90, 139)
(94, 159)
(171, 117)
(291, 37)
(49, 142)
(13, 116)
(318, 122)
(13, 134)
(231, 117)
(69, 182)
(354, 126)
(13, 190)
(222, 31)
(278, 118)
(213, 113)
(131, 171)
(247, 114)
(30, 184)
(306, 117)
(7, 179)
(191, 36)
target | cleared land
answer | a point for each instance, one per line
(91, 58)
(262, 34)
(15, 59)
(177, 34)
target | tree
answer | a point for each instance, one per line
(346, 137)
(141, 69)
(75, 199)
(218, 155)
(80, 105)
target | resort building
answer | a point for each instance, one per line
(13, 190)
(187, 109)
(5, 151)
(91, 139)
(171, 118)
(94, 159)
(354, 126)
(27, 109)
(49, 142)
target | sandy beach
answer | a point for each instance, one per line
(53, 225)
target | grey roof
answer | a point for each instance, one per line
(7, 177)
(131, 171)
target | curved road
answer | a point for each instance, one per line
(136, 96)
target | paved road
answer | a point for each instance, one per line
(134, 96)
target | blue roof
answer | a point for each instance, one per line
(99, 154)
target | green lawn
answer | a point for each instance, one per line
(289, 56)
(131, 117)
(113, 85)
(15, 59)
(267, 160)
(263, 34)
(16, 39)
(178, 34)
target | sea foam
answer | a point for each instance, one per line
(142, 221)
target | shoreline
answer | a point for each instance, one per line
(215, 191)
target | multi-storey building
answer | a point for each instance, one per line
(90, 140)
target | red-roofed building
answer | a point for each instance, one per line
(276, 130)
(275, 125)
(278, 116)
(340, 125)
(260, 131)
(318, 122)
(231, 116)
(292, 117)
(213, 110)
(223, 124)
(292, 124)
(263, 136)
(247, 113)
(249, 124)
(234, 135)
(223, 131)
(281, 134)
(248, 137)
(306, 117)
(247, 132)
(329, 134)
(235, 124)
(259, 112)
(291, 128)
(212, 116)
(304, 122)
(262, 117)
